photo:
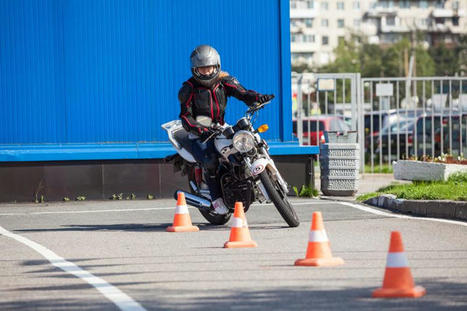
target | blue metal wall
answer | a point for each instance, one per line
(108, 71)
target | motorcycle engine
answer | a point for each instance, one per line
(235, 190)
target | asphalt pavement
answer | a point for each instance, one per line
(118, 253)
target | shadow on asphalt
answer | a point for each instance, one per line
(290, 298)
(58, 304)
(113, 227)
(143, 227)
(317, 299)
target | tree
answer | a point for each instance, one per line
(445, 60)
(347, 58)
(373, 61)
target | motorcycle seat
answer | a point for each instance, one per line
(183, 138)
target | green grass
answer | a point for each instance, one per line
(306, 191)
(384, 169)
(455, 188)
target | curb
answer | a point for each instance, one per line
(427, 208)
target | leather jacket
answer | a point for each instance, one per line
(198, 100)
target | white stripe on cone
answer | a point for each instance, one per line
(181, 209)
(318, 236)
(396, 260)
(238, 223)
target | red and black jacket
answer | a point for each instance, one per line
(198, 100)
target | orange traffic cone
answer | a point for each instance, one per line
(318, 252)
(182, 220)
(398, 281)
(239, 233)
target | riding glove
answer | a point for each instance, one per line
(265, 98)
(206, 133)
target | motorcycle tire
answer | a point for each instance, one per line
(217, 220)
(279, 199)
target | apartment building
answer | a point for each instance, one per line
(318, 25)
(438, 21)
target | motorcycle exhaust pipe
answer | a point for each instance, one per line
(194, 200)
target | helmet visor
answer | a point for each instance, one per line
(206, 72)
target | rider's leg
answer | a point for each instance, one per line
(206, 154)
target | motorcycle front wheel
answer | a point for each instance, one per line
(279, 199)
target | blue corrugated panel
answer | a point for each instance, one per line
(108, 71)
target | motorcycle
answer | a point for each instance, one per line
(246, 172)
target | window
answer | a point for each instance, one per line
(340, 5)
(423, 4)
(424, 21)
(293, 4)
(340, 23)
(356, 22)
(455, 21)
(356, 5)
(324, 22)
(314, 124)
(325, 40)
(324, 6)
(293, 38)
(405, 4)
(309, 22)
(391, 20)
(439, 4)
(309, 38)
(310, 4)
(455, 5)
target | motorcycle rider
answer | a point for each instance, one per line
(203, 100)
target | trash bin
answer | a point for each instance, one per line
(339, 163)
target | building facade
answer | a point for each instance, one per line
(318, 25)
(434, 22)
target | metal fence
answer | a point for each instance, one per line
(396, 118)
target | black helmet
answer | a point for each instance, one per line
(203, 56)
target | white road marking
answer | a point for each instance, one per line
(90, 211)
(119, 298)
(143, 209)
(381, 213)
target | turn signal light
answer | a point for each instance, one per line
(263, 128)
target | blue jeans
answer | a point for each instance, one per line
(206, 154)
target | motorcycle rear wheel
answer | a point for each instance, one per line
(279, 199)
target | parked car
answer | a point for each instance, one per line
(387, 121)
(432, 130)
(314, 127)
(398, 133)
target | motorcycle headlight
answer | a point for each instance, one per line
(243, 141)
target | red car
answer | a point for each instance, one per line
(314, 127)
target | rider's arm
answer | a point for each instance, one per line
(185, 96)
(235, 89)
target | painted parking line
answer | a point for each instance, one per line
(119, 298)
(381, 213)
